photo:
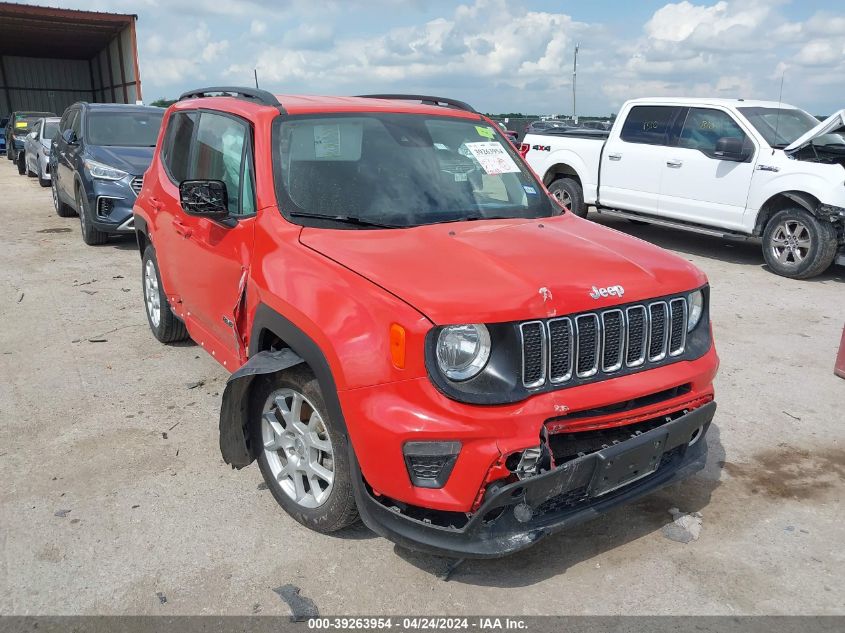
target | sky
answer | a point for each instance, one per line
(498, 55)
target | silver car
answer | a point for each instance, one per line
(36, 148)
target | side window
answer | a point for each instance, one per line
(76, 123)
(176, 149)
(648, 124)
(248, 188)
(704, 127)
(219, 154)
(65, 122)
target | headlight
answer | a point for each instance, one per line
(98, 170)
(463, 350)
(695, 303)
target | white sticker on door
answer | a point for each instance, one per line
(493, 158)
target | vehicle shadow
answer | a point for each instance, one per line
(554, 555)
(122, 242)
(737, 251)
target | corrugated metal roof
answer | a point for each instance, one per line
(34, 31)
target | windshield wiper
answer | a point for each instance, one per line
(345, 219)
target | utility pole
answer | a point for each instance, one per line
(574, 74)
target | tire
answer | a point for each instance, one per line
(797, 245)
(568, 192)
(29, 172)
(21, 164)
(165, 325)
(41, 179)
(62, 210)
(90, 234)
(10, 153)
(281, 446)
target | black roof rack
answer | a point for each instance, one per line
(426, 99)
(251, 94)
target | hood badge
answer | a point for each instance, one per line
(609, 291)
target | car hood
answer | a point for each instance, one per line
(831, 123)
(506, 270)
(134, 160)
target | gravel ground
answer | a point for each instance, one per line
(115, 499)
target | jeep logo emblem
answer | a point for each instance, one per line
(610, 291)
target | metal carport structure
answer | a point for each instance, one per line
(50, 58)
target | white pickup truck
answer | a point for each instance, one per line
(727, 167)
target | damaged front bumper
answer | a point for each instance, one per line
(517, 515)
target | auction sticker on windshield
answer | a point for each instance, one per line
(493, 158)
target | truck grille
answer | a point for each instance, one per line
(137, 183)
(603, 342)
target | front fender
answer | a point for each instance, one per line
(234, 409)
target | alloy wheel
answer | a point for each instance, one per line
(80, 209)
(297, 447)
(791, 242)
(563, 197)
(151, 294)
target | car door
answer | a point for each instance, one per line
(213, 257)
(631, 164)
(697, 184)
(66, 154)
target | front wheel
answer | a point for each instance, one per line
(62, 210)
(21, 164)
(44, 182)
(165, 325)
(91, 235)
(303, 453)
(798, 245)
(568, 193)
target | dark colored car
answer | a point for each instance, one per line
(538, 127)
(17, 127)
(4, 121)
(98, 162)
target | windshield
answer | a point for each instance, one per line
(25, 123)
(780, 127)
(400, 170)
(51, 128)
(124, 129)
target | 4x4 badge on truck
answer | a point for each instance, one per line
(610, 291)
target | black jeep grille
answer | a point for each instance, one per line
(604, 342)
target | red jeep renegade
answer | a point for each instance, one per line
(419, 334)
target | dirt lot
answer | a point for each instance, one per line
(115, 499)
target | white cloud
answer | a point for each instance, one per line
(258, 27)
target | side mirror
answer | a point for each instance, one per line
(730, 148)
(69, 137)
(205, 198)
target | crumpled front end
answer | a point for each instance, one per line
(516, 515)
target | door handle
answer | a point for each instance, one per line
(614, 157)
(674, 164)
(181, 229)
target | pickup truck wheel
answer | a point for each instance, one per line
(303, 452)
(797, 245)
(568, 193)
(165, 325)
(62, 210)
(90, 234)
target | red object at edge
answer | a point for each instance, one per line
(839, 367)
